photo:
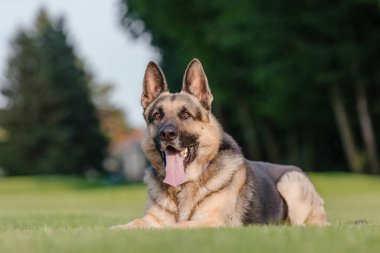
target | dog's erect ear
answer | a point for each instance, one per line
(154, 83)
(195, 82)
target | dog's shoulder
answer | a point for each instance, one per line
(228, 160)
(229, 144)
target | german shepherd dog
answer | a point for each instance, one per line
(199, 177)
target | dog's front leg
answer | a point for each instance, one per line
(155, 217)
(148, 221)
(203, 223)
(137, 223)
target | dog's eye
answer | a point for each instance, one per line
(185, 115)
(157, 115)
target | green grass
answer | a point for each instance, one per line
(50, 214)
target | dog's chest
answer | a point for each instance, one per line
(188, 200)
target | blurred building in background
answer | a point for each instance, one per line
(126, 160)
(127, 157)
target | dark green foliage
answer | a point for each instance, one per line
(272, 66)
(50, 120)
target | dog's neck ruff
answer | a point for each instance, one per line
(205, 168)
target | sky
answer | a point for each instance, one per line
(110, 53)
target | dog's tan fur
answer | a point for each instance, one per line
(223, 188)
(305, 206)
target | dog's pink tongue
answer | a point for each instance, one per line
(175, 171)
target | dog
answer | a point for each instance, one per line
(199, 176)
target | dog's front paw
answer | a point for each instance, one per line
(135, 224)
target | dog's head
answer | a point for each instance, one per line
(182, 135)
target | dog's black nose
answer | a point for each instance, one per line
(168, 133)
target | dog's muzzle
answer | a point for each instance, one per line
(168, 133)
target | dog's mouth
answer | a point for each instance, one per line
(187, 154)
(175, 163)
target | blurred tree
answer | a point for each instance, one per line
(112, 119)
(339, 44)
(281, 72)
(50, 120)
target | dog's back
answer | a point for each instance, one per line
(267, 206)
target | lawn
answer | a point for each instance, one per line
(50, 214)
